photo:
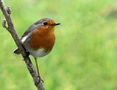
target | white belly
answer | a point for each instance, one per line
(38, 53)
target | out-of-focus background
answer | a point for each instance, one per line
(84, 56)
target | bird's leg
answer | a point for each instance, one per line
(37, 68)
(27, 55)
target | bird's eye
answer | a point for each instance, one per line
(45, 23)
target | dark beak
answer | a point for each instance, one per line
(56, 24)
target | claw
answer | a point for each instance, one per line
(27, 55)
(40, 79)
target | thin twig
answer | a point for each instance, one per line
(8, 24)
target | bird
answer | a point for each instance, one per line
(39, 39)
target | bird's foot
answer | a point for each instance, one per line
(27, 55)
(40, 79)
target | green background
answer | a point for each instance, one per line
(84, 56)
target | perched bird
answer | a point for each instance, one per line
(39, 39)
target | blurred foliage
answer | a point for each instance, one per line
(84, 56)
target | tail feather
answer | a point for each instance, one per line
(17, 51)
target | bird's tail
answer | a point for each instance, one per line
(17, 51)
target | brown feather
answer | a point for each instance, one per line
(43, 38)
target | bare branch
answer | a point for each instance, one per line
(8, 24)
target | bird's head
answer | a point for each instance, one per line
(47, 24)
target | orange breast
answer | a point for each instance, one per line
(42, 39)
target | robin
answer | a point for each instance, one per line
(39, 38)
